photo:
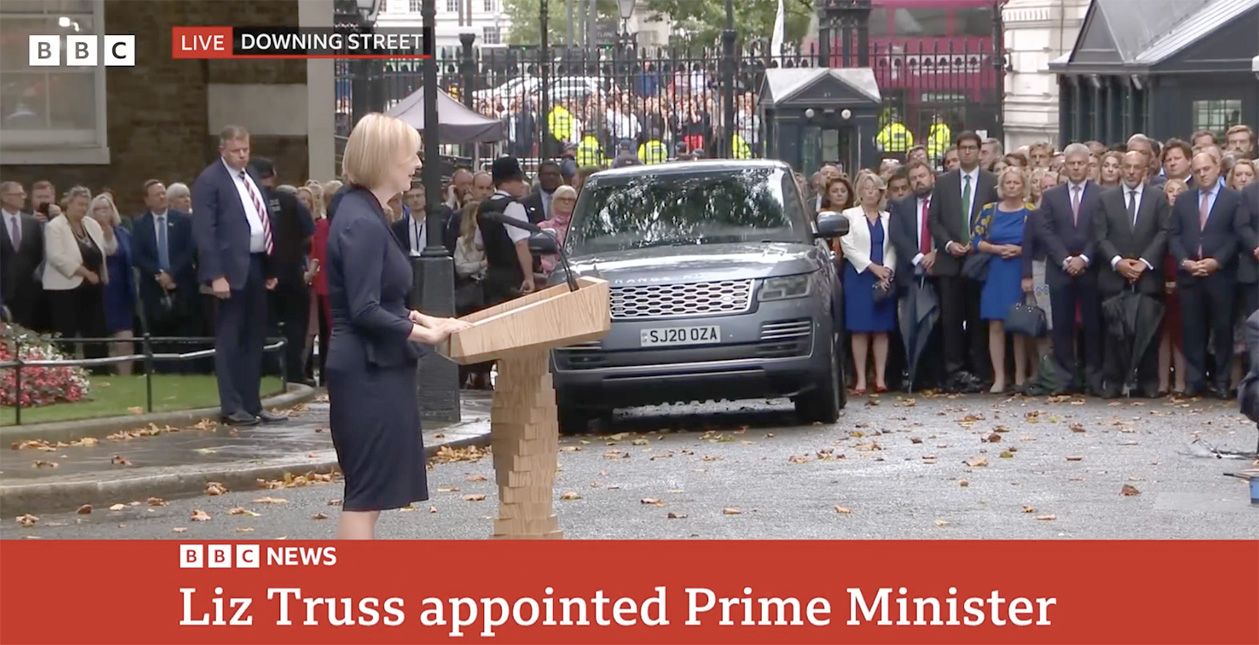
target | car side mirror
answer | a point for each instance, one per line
(544, 243)
(831, 225)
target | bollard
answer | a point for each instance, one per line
(148, 373)
(17, 379)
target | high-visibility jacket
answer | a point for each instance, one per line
(939, 138)
(653, 151)
(589, 152)
(739, 148)
(562, 125)
(894, 137)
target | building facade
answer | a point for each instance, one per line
(116, 127)
(485, 18)
(1036, 33)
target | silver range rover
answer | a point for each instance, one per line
(722, 289)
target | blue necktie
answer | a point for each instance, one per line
(163, 255)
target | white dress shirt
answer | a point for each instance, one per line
(9, 219)
(516, 211)
(418, 232)
(1071, 188)
(919, 204)
(974, 188)
(257, 238)
(1136, 208)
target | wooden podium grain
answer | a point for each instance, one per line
(524, 429)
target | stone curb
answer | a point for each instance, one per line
(180, 482)
(99, 428)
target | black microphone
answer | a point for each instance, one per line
(500, 217)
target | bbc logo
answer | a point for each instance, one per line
(219, 556)
(82, 51)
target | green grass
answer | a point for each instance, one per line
(114, 396)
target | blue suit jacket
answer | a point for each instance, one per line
(179, 244)
(221, 228)
(1219, 240)
(1059, 237)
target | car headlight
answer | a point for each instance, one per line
(790, 286)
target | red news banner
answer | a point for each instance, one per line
(629, 592)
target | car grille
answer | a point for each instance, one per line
(784, 329)
(784, 338)
(679, 300)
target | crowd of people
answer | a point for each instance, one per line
(1141, 255)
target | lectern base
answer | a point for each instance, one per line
(524, 435)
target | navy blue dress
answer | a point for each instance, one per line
(374, 419)
(120, 292)
(1003, 288)
(863, 314)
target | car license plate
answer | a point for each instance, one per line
(666, 336)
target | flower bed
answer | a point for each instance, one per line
(40, 385)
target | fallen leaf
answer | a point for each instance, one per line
(244, 529)
(843, 510)
(448, 489)
(156, 501)
(676, 516)
(1001, 429)
(1029, 509)
(640, 442)
(199, 515)
(994, 438)
(569, 495)
(178, 529)
(475, 478)
(215, 488)
(240, 510)
(133, 503)
(206, 451)
(651, 501)
(1075, 458)
(942, 523)
(915, 440)
(711, 458)
(963, 483)
(1077, 427)
(1007, 454)
(40, 463)
(869, 447)
(27, 521)
(334, 502)
(1046, 518)
(978, 461)
(432, 509)
(319, 516)
(1129, 490)
(730, 510)
(135, 409)
(798, 459)
(118, 507)
(613, 453)
(119, 460)
(474, 498)
(446, 454)
(85, 509)
(271, 500)
(409, 508)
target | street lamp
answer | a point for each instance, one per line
(725, 146)
(626, 7)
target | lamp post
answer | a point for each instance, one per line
(725, 145)
(434, 270)
(626, 9)
(468, 75)
(360, 17)
(544, 79)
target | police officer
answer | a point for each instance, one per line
(510, 265)
(653, 150)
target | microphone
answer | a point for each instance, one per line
(502, 218)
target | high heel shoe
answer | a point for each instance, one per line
(858, 391)
(880, 389)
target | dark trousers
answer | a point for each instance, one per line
(79, 313)
(1247, 299)
(179, 320)
(965, 334)
(239, 334)
(1079, 293)
(290, 312)
(325, 332)
(1207, 309)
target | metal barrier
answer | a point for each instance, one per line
(148, 358)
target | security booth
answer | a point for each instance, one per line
(816, 116)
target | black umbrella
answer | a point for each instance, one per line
(1132, 321)
(922, 310)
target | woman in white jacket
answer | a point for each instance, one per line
(869, 292)
(74, 280)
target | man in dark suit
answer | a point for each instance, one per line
(1204, 241)
(910, 233)
(21, 253)
(1064, 231)
(233, 230)
(164, 253)
(1248, 254)
(1130, 229)
(292, 229)
(538, 205)
(412, 228)
(958, 197)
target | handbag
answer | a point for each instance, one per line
(881, 293)
(1027, 318)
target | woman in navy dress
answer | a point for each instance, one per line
(120, 292)
(999, 231)
(869, 303)
(374, 419)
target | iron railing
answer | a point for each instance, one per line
(673, 92)
(148, 357)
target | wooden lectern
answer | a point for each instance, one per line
(524, 429)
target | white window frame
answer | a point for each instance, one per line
(415, 6)
(42, 147)
(485, 35)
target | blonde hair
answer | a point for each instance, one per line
(468, 223)
(1173, 184)
(374, 147)
(864, 177)
(75, 193)
(330, 190)
(114, 218)
(1012, 170)
(1254, 170)
(316, 194)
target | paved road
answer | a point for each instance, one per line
(896, 469)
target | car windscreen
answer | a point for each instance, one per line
(676, 209)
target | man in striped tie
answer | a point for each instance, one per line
(232, 228)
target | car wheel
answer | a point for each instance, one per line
(824, 402)
(573, 420)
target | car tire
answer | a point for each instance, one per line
(823, 403)
(574, 420)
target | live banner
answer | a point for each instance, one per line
(629, 592)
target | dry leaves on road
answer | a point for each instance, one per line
(942, 523)
(993, 438)
(977, 461)
(119, 460)
(447, 488)
(651, 501)
(85, 509)
(240, 510)
(319, 516)
(244, 529)
(135, 409)
(970, 420)
(27, 521)
(869, 447)
(640, 442)
(215, 488)
(46, 446)
(1029, 509)
(1129, 490)
(1007, 454)
(799, 459)
(915, 440)
(118, 507)
(432, 509)
(1046, 518)
(446, 454)
(152, 430)
(570, 495)
(843, 510)
(963, 483)
(1075, 458)
(178, 529)
(199, 515)
(613, 453)
(730, 510)
(474, 498)
(676, 516)
(271, 500)
(40, 463)
(1077, 427)
(711, 458)
(475, 478)
(156, 501)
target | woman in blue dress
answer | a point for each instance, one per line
(373, 414)
(999, 231)
(869, 298)
(120, 291)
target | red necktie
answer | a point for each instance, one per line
(262, 211)
(924, 238)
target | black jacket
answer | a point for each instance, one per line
(1116, 236)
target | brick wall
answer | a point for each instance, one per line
(156, 111)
